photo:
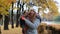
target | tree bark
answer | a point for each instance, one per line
(18, 14)
(6, 23)
(12, 16)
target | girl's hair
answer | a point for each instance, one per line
(24, 12)
(32, 17)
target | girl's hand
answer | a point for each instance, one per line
(23, 18)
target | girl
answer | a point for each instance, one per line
(32, 23)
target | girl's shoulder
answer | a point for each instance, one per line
(37, 19)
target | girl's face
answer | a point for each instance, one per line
(31, 14)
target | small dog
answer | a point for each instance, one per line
(42, 29)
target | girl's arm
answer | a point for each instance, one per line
(32, 25)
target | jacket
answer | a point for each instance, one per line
(32, 26)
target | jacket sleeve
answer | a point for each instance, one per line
(32, 25)
(22, 23)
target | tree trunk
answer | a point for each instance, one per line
(18, 14)
(17, 17)
(6, 23)
(12, 16)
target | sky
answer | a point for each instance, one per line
(58, 5)
(58, 2)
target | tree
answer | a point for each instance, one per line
(6, 22)
(4, 7)
(12, 16)
(18, 14)
(50, 4)
(0, 22)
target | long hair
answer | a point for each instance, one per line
(32, 18)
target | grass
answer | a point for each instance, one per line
(11, 31)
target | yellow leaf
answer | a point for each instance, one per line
(5, 5)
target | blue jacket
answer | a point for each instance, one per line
(32, 26)
(22, 22)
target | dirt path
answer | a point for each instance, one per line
(11, 31)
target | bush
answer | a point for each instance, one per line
(57, 19)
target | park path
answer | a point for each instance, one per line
(19, 29)
(11, 31)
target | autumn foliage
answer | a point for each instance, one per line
(5, 5)
(50, 4)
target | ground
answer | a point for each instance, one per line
(11, 31)
(19, 29)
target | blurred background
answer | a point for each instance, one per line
(11, 10)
